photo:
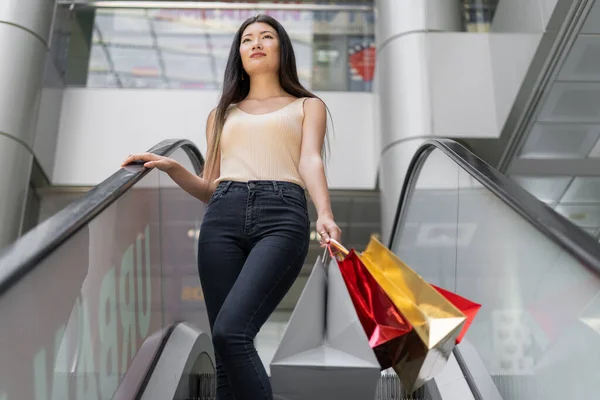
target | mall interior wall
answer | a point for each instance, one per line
(100, 127)
(32, 37)
(434, 79)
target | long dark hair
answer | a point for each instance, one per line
(235, 89)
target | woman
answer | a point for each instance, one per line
(265, 141)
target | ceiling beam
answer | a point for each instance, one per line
(555, 167)
(215, 5)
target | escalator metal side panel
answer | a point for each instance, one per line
(478, 377)
(135, 376)
(188, 353)
(450, 384)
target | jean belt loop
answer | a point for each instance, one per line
(227, 185)
(275, 187)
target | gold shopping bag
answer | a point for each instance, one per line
(436, 322)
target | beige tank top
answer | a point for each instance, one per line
(262, 146)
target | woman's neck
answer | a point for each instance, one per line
(264, 87)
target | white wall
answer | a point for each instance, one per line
(100, 127)
(48, 117)
(461, 86)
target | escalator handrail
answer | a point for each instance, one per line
(554, 226)
(18, 259)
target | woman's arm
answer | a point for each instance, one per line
(195, 185)
(312, 170)
(188, 181)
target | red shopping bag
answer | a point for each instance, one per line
(466, 306)
(385, 327)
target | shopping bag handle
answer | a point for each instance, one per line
(329, 251)
(337, 245)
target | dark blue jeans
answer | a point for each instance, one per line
(253, 242)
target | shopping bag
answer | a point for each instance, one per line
(466, 306)
(324, 352)
(436, 322)
(385, 327)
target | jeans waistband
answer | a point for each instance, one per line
(262, 185)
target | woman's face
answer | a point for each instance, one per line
(259, 49)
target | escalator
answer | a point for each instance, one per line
(90, 299)
(92, 304)
(465, 227)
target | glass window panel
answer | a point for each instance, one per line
(546, 189)
(560, 141)
(76, 322)
(330, 55)
(334, 50)
(303, 52)
(139, 62)
(102, 80)
(221, 44)
(128, 39)
(98, 60)
(141, 82)
(361, 63)
(122, 20)
(429, 244)
(583, 216)
(197, 85)
(188, 44)
(583, 190)
(181, 66)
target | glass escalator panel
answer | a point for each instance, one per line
(538, 331)
(73, 323)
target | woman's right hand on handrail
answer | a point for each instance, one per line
(151, 160)
(188, 181)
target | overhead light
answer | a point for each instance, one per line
(193, 233)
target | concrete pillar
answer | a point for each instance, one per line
(403, 86)
(25, 27)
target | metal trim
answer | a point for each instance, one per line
(23, 256)
(393, 143)
(554, 226)
(390, 39)
(32, 33)
(552, 51)
(213, 5)
(460, 360)
(19, 141)
(143, 364)
(151, 367)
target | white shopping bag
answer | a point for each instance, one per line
(324, 352)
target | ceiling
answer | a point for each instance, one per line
(559, 161)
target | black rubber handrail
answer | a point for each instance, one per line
(18, 259)
(554, 226)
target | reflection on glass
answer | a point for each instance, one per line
(180, 219)
(537, 332)
(334, 50)
(74, 324)
(431, 222)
